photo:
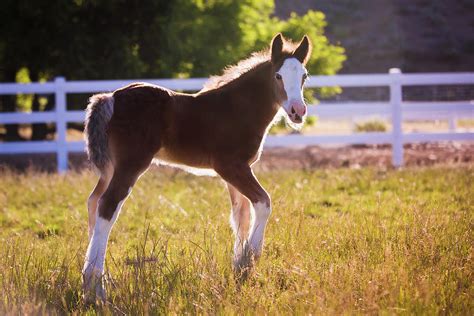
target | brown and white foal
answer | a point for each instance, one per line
(218, 130)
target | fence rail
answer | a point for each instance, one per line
(395, 109)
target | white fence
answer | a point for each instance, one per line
(395, 108)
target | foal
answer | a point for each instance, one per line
(220, 130)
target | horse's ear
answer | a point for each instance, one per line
(303, 52)
(277, 47)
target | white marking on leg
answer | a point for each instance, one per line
(259, 221)
(235, 218)
(239, 221)
(236, 225)
(95, 257)
(235, 228)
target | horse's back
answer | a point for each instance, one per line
(138, 96)
(139, 119)
(193, 130)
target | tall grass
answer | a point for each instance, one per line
(338, 241)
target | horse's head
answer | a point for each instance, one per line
(289, 76)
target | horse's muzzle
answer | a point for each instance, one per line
(296, 111)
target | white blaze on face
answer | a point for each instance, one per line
(292, 73)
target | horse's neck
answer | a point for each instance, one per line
(255, 91)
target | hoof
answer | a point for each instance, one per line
(94, 290)
(243, 263)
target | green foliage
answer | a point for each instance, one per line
(326, 59)
(371, 126)
(466, 123)
(24, 101)
(311, 120)
(86, 39)
(281, 126)
(338, 242)
(183, 38)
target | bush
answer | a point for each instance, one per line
(371, 126)
(281, 125)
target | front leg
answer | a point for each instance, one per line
(239, 220)
(241, 177)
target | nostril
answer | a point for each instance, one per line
(293, 110)
(304, 111)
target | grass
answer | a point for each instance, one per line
(338, 241)
(370, 126)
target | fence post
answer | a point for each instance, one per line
(396, 104)
(61, 124)
(452, 123)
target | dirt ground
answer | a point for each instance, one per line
(378, 156)
(312, 157)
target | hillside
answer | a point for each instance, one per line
(416, 36)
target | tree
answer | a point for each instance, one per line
(90, 39)
(29, 34)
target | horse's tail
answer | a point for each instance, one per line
(98, 114)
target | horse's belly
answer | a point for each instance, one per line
(165, 158)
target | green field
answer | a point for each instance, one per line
(338, 241)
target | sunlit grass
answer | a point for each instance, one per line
(338, 241)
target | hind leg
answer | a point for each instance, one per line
(239, 220)
(108, 209)
(93, 200)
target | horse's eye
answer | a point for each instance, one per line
(305, 76)
(278, 76)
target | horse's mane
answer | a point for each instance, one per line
(233, 72)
